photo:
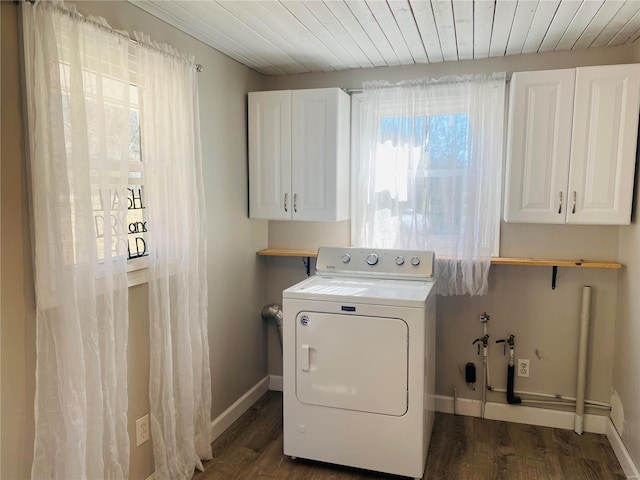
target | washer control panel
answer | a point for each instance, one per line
(375, 262)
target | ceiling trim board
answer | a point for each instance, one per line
(463, 21)
(540, 24)
(561, 20)
(625, 15)
(387, 22)
(231, 16)
(365, 17)
(325, 16)
(426, 25)
(285, 18)
(252, 61)
(284, 37)
(482, 28)
(598, 23)
(579, 23)
(445, 24)
(525, 13)
(351, 24)
(402, 14)
(503, 18)
(304, 16)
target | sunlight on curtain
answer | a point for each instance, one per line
(180, 379)
(428, 175)
(78, 117)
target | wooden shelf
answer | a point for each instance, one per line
(287, 252)
(536, 262)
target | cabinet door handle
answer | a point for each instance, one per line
(560, 203)
(295, 203)
(286, 198)
(573, 209)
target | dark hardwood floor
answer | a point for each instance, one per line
(462, 448)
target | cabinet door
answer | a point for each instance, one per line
(603, 150)
(270, 155)
(320, 154)
(538, 146)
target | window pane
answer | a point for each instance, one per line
(420, 170)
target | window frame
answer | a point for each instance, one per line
(138, 267)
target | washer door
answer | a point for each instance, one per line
(352, 362)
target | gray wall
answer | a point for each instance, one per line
(17, 304)
(236, 276)
(520, 300)
(626, 380)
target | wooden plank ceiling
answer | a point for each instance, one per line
(280, 37)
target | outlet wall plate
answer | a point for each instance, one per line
(523, 367)
(142, 430)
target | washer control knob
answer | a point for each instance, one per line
(415, 261)
(346, 258)
(399, 260)
(372, 259)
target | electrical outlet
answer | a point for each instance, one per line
(523, 367)
(142, 430)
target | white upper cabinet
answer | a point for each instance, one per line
(571, 145)
(270, 155)
(603, 144)
(299, 154)
(539, 146)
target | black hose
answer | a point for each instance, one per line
(510, 397)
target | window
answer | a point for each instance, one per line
(435, 163)
(103, 102)
(135, 225)
(427, 167)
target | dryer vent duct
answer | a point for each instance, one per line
(274, 313)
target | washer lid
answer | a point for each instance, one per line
(376, 291)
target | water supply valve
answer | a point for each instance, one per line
(511, 341)
(484, 340)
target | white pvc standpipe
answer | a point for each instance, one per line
(485, 329)
(585, 313)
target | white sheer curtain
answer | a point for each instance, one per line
(180, 380)
(428, 175)
(78, 115)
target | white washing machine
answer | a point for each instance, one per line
(359, 360)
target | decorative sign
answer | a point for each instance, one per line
(130, 241)
(137, 222)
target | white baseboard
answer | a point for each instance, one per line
(622, 454)
(275, 383)
(522, 414)
(151, 477)
(231, 414)
(544, 417)
(465, 406)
